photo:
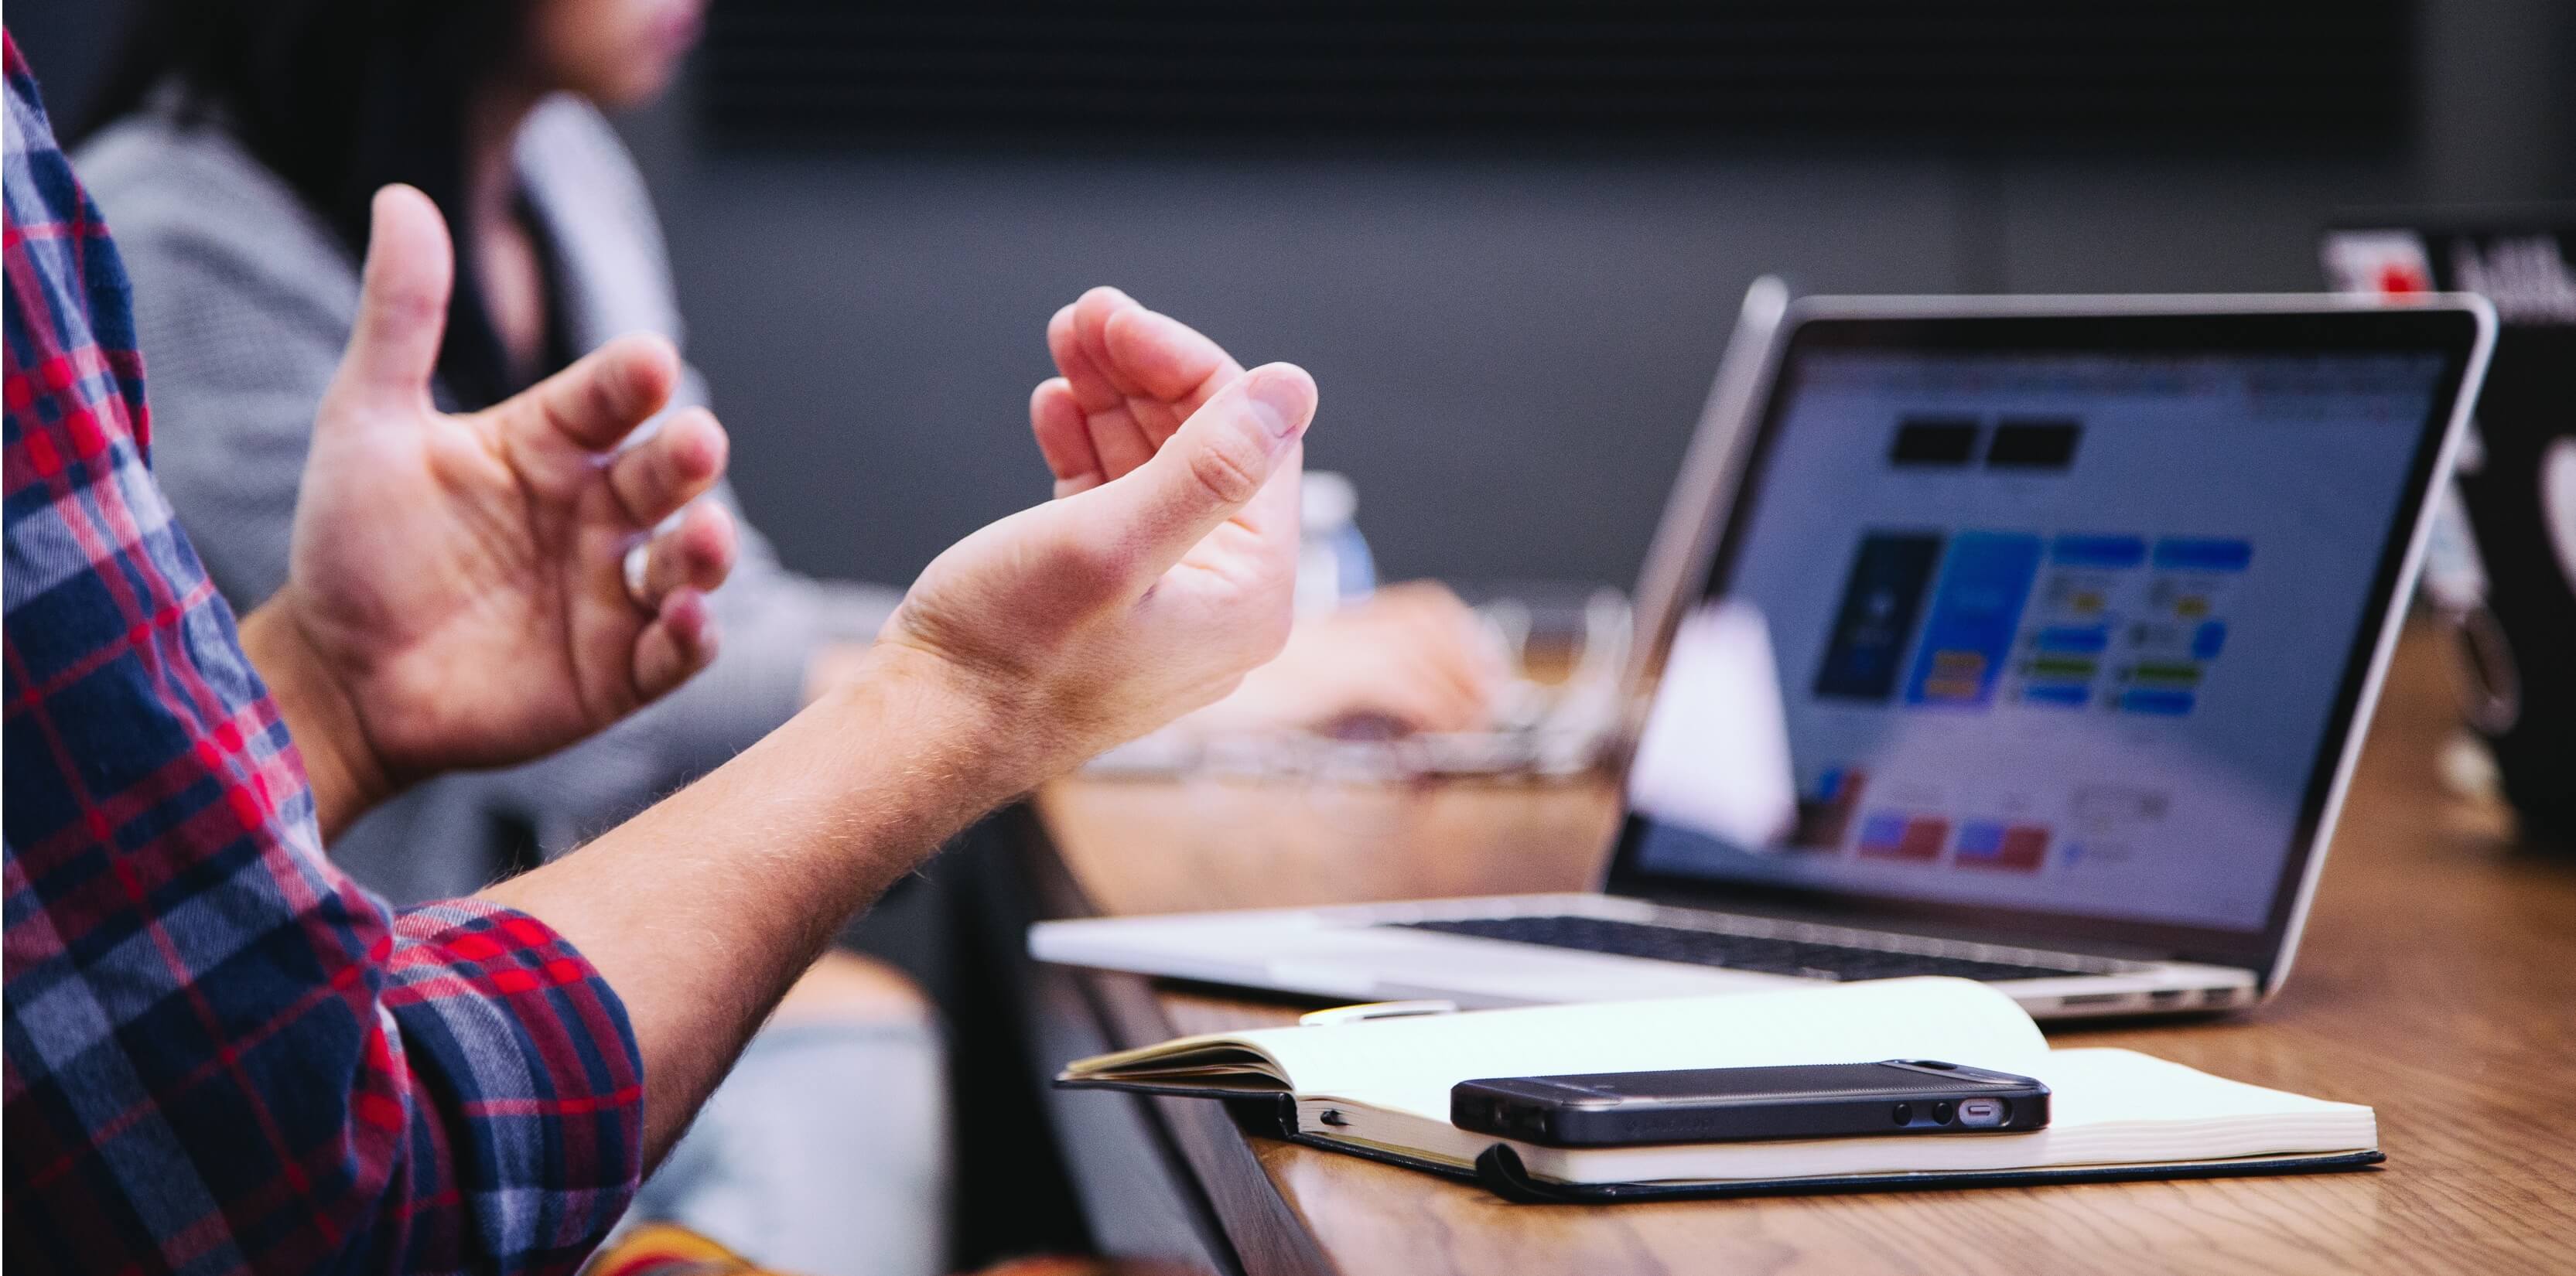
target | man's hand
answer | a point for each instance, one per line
(1146, 591)
(1413, 658)
(456, 591)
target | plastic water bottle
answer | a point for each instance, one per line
(1333, 562)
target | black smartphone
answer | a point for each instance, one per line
(1716, 1105)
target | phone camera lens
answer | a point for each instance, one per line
(1905, 1114)
(1941, 1112)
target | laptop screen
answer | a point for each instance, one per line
(2068, 630)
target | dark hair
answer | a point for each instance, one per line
(338, 97)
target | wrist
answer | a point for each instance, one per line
(832, 665)
(340, 763)
(990, 745)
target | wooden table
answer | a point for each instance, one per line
(2437, 983)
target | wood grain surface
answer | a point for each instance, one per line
(2437, 983)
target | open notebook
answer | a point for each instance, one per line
(1380, 1088)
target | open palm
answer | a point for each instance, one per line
(463, 577)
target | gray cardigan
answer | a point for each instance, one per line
(242, 302)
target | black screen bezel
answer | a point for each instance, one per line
(2449, 332)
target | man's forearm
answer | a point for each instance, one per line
(701, 911)
(339, 763)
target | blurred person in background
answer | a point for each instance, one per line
(235, 148)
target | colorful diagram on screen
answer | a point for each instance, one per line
(1904, 837)
(1975, 616)
(1921, 837)
(1978, 621)
(2121, 624)
(1827, 808)
(2171, 641)
(2079, 620)
(2079, 602)
(1882, 597)
(2017, 848)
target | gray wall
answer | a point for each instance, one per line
(1511, 349)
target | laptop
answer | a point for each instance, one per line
(2029, 640)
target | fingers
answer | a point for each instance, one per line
(1056, 418)
(677, 465)
(1410, 654)
(1134, 375)
(1112, 349)
(1454, 695)
(1389, 688)
(1432, 621)
(1114, 438)
(1073, 340)
(1211, 470)
(695, 553)
(682, 564)
(680, 642)
(597, 402)
(1167, 361)
(1415, 704)
(402, 299)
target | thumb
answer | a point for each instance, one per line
(1211, 468)
(402, 298)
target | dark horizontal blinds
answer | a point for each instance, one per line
(2231, 72)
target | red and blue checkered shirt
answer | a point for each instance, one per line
(222, 1055)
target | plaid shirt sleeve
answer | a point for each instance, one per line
(222, 1055)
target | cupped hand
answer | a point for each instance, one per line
(1412, 658)
(461, 580)
(1145, 591)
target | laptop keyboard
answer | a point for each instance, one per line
(1766, 954)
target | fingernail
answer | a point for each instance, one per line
(1278, 403)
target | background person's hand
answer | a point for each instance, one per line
(1134, 598)
(1409, 658)
(457, 593)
